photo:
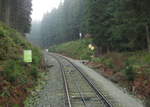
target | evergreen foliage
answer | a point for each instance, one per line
(116, 25)
(16, 13)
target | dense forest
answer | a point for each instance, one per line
(16, 13)
(118, 25)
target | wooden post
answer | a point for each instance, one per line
(0, 9)
(148, 37)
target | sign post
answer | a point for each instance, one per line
(80, 35)
(27, 56)
(92, 48)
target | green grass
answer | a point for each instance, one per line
(76, 49)
(13, 71)
(130, 63)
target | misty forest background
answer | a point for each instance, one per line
(116, 25)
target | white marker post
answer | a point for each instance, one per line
(80, 34)
(46, 50)
(92, 48)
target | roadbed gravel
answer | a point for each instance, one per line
(110, 90)
(52, 93)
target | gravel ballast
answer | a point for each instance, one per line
(118, 96)
(52, 93)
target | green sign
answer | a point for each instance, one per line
(27, 56)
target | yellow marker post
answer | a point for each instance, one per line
(90, 45)
(92, 48)
(27, 56)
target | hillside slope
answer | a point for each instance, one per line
(130, 70)
(75, 49)
(16, 77)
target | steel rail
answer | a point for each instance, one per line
(65, 81)
(100, 95)
(83, 100)
(82, 97)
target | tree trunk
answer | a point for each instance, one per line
(0, 9)
(7, 12)
(99, 51)
(147, 37)
(108, 50)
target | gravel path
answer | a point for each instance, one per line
(53, 93)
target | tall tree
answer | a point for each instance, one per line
(16, 13)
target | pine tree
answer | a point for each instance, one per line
(16, 13)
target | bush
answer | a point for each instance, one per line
(108, 62)
(34, 72)
(129, 71)
(1, 32)
(36, 56)
(147, 102)
(76, 49)
(147, 58)
(13, 71)
(97, 59)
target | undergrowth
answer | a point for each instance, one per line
(78, 50)
(16, 76)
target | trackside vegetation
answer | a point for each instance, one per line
(129, 69)
(16, 77)
(75, 49)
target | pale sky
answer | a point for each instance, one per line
(40, 7)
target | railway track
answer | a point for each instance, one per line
(79, 90)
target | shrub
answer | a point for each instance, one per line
(147, 58)
(76, 49)
(97, 59)
(34, 73)
(147, 102)
(129, 71)
(16, 105)
(13, 71)
(1, 32)
(36, 57)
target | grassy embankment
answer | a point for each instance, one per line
(16, 77)
(129, 69)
